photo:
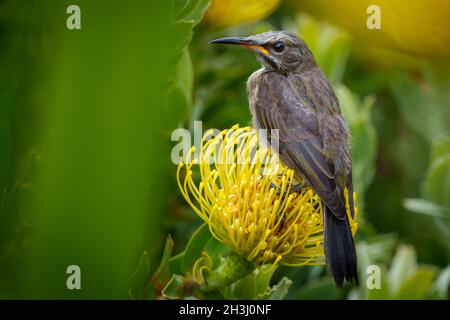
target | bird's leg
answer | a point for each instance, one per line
(294, 187)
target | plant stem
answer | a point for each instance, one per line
(234, 268)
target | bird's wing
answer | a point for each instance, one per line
(300, 148)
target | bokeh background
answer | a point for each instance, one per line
(86, 118)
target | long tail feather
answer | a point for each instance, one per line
(340, 250)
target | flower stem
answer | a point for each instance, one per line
(233, 269)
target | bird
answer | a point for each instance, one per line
(291, 94)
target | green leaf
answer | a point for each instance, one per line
(255, 285)
(216, 251)
(175, 288)
(185, 75)
(436, 189)
(263, 277)
(194, 10)
(381, 247)
(417, 286)
(195, 247)
(179, 96)
(418, 107)
(320, 289)
(140, 278)
(440, 148)
(280, 290)
(403, 266)
(437, 183)
(201, 268)
(443, 231)
(183, 8)
(437, 77)
(426, 207)
(175, 263)
(244, 289)
(363, 143)
(441, 285)
(163, 274)
(178, 104)
(181, 34)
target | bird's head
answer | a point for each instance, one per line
(279, 51)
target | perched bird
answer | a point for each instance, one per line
(291, 93)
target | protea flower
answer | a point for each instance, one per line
(235, 197)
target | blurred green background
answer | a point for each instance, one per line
(86, 118)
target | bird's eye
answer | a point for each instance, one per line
(278, 46)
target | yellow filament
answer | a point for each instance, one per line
(241, 208)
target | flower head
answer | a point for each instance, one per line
(235, 198)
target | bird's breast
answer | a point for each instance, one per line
(253, 86)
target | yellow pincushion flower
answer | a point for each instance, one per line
(235, 12)
(235, 198)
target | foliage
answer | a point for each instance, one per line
(220, 100)
(85, 124)
(178, 276)
(405, 279)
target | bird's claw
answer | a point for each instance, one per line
(294, 188)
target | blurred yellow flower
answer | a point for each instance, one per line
(235, 198)
(236, 12)
(413, 27)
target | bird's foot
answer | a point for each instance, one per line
(294, 188)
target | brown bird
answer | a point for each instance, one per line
(291, 93)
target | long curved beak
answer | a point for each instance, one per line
(233, 40)
(242, 42)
